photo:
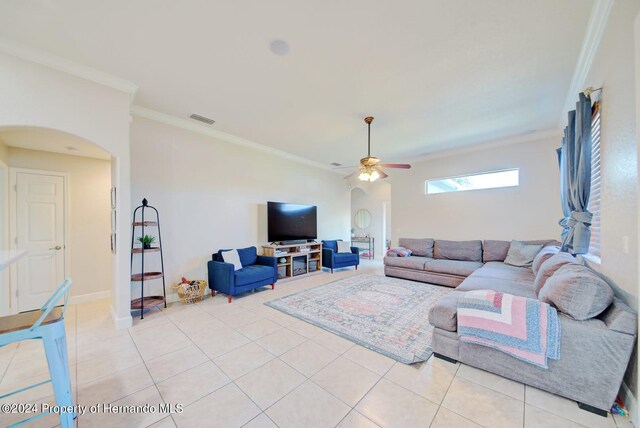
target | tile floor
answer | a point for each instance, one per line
(245, 364)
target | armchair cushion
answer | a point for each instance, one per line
(253, 273)
(330, 245)
(345, 257)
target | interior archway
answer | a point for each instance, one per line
(86, 169)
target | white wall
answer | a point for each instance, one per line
(371, 197)
(529, 211)
(89, 214)
(614, 70)
(34, 95)
(212, 194)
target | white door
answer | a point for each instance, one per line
(39, 229)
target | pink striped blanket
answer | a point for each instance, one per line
(527, 329)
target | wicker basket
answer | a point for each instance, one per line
(191, 293)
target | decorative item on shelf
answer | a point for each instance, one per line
(142, 222)
(146, 241)
(190, 291)
(282, 260)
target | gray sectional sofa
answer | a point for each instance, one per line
(594, 350)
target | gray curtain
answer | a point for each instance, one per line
(575, 179)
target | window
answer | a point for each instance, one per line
(485, 180)
(594, 199)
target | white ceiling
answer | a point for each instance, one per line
(50, 140)
(435, 74)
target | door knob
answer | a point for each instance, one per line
(57, 247)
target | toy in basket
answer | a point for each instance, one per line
(191, 291)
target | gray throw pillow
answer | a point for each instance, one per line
(545, 254)
(550, 266)
(578, 292)
(521, 254)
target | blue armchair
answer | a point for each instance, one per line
(332, 259)
(257, 271)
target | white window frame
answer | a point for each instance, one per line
(426, 183)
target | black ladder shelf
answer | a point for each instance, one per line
(143, 276)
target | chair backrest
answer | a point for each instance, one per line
(61, 292)
(331, 244)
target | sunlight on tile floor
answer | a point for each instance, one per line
(245, 364)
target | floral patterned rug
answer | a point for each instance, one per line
(386, 315)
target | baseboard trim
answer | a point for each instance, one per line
(630, 403)
(89, 297)
(121, 323)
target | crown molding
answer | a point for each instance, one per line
(55, 62)
(189, 125)
(593, 35)
(518, 139)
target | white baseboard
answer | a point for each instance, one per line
(630, 403)
(90, 297)
(122, 322)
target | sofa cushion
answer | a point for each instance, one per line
(253, 273)
(419, 247)
(504, 271)
(549, 267)
(498, 284)
(410, 262)
(458, 250)
(452, 267)
(494, 251)
(545, 254)
(444, 313)
(578, 292)
(521, 254)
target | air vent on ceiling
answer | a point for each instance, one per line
(202, 119)
(336, 164)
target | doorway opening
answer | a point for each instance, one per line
(60, 213)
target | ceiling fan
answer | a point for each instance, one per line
(369, 169)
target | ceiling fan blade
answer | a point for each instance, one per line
(381, 172)
(346, 177)
(395, 165)
(344, 166)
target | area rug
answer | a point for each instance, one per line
(386, 315)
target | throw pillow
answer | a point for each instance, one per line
(578, 292)
(344, 247)
(545, 254)
(399, 252)
(232, 257)
(550, 267)
(521, 254)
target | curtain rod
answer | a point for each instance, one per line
(588, 91)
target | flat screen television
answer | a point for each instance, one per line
(291, 222)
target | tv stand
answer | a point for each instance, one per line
(295, 259)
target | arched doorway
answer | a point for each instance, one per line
(57, 186)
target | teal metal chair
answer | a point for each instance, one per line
(46, 324)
